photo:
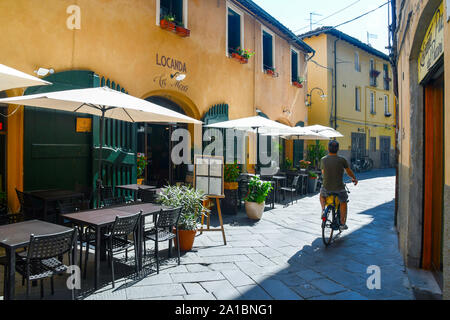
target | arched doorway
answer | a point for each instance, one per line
(154, 141)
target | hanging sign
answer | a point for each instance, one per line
(433, 43)
(84, 125)
(208, 175)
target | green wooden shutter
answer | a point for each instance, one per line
(299, 146)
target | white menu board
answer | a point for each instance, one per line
(208, 175)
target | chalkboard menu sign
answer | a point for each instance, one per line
(208, 175)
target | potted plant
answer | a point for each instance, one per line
(167, 22)
(304, 165)
(312, 181)
(181, 30)
(141, 163)
(242, 55)
(298, 82)
(231, 174)
(270, 71)
(191, 202)
(255, 201)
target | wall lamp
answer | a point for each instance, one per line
(178, 76)
(308, 102)
(42, 72)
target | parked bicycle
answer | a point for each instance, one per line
(362, 164)
(331, 218)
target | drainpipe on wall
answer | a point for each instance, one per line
(335, 83)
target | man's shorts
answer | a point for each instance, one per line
(342, 195)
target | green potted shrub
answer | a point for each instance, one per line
(231, 174)
(304, 164)
(312, 181)
(255, 201)
(191, 202)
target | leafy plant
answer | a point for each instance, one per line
(304, 164)
(300, 80)
(189, 199)
(244, 53)
(258, 190)
(141, 163)
(312, 174)
(169, 17)
(231, 172)
(315, 153)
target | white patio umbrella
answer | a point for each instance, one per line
(11, 78)
(301, 133)
(105, 103)
(325, 131)
(260, 124)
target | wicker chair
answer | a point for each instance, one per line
(41, 259)
(166, 220)
(117, 239)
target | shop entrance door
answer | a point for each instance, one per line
(434, 173)
(385, 150)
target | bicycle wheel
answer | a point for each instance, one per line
(327, 225)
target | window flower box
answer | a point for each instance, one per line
(270, 72)
(182, 31)
(167, 25)
(298, 82)
(242, 55)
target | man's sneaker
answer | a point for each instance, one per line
(343, 227)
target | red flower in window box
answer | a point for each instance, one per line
(270, 72)
(182, 31)
(167, 25)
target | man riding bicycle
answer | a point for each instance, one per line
(333, 167)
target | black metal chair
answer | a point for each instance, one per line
(108, 198)
(41, 259)
(117, 239)
(29, 206)
(148, 196)
(242, 190)
(166, 221)
(293, 189)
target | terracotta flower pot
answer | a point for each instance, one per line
(298, 84)
(140, 181)
(254, 210)
(187, 238)
(243, 60)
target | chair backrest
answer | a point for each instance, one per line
(148, 195)
(168, 217)
(21, 197)
(107, 192)
(125, 225)
(295, 181)
(51, 245)
(68, 207)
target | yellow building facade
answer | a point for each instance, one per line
(121, 43)
(359, 102)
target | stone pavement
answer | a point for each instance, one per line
(282, 256)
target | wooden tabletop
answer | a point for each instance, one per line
(135, 187)
(53, 195)
(17, 235)
(107, 216)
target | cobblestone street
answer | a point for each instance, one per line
(283, 257)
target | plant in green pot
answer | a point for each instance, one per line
(258, 191)
(312, 181)
(191, 202)
(140, 165)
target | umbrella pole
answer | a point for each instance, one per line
(99, 180)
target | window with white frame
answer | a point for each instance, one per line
(268, 51)
(294, 65)
(174, 8)
(357, 63)
(386, 104)
(235, 29)
(372, 102)
(357, 98)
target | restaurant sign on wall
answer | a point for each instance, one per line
(177, 67)
(433, 43)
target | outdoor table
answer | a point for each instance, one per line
(48, 196)
(17, 235)
(100, 218)
(135, 188)
(278, 179)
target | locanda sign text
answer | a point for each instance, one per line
(171, 63)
